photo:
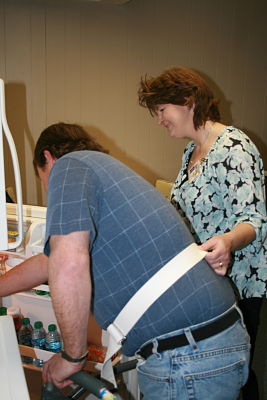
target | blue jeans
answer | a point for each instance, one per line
(213, 368)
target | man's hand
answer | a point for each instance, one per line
(57, 371)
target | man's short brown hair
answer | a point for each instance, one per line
(60, 139)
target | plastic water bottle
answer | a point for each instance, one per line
(38, 335)
(25, 333)
(53, 339)
(3, 311)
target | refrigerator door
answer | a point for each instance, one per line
(12, 379)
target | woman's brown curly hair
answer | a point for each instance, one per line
(181, 86)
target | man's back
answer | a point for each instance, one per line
(134, 231)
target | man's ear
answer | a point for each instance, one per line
(50, 160)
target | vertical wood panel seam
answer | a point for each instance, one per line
(264, 107)
(45, 60)
(5, 39)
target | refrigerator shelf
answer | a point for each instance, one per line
(33, 353)
(33, 295)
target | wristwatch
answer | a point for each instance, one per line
(74, 360)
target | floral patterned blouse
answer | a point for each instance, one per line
(228, 190)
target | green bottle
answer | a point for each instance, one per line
(3, 311)
(25, 333)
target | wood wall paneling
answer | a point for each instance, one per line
(81, 62)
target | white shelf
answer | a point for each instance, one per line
(35, 296)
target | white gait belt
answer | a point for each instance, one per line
(144, 298)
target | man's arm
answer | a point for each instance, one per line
(25, 276)
(70, 288)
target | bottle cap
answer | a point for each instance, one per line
(52, 327)
(38, 325)
(25, 321)
(3, 310)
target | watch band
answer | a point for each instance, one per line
(74, 360)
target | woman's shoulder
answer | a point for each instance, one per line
(234, 152)
(236, 135)
(235, 140)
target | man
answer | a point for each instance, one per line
(108, 232)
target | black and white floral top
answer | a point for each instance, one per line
(228, 189)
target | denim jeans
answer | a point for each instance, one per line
(212, 369)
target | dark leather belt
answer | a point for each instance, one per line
(198, 334)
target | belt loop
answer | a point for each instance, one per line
(155, 348)
(190, 338)
(241, 315)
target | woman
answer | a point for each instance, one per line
(219, 189)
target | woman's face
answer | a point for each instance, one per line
(178, 120)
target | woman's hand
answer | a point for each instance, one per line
(219, 253)
(220, 247)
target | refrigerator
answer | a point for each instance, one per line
(36, 303)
